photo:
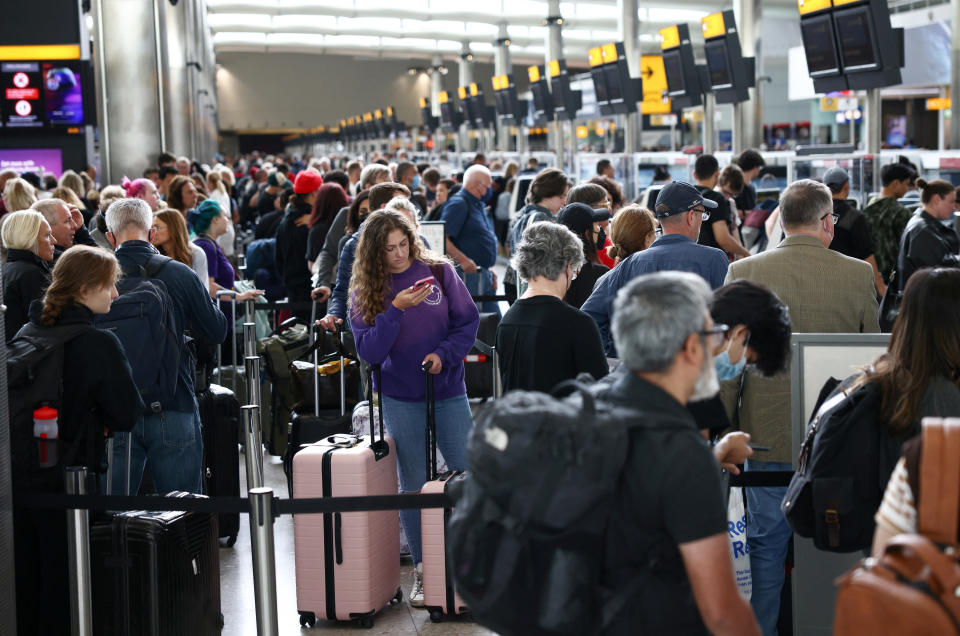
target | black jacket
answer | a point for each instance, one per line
(926, 242)
(292, 251)
(98, 388)
(25, 278)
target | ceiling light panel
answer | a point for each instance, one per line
(363, 41)
(371, 25)
(230, 37)
(294, 22)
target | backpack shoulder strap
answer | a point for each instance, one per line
(155, 263)
(939, 502)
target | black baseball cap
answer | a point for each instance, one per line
(580, 217)
(677, 197)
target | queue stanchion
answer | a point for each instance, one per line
(233, 345)
(249, 338)
(264, 560)
(252, 364)
(248, 309)
(78, 552)
(252, 459)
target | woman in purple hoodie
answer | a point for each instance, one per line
(401, 325)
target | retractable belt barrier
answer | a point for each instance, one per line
(231, 505)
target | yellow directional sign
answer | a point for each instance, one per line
(713, 26)
(443, 97)
(654, 84)
(554, 68)
(533, 72)
(582, 132)
(596, 56)
(828, 104)
(474, 89)
(462, 92)
(812, 6)
(938, 103)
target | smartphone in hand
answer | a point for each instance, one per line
(423, 282)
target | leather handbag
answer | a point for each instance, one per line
(912, 587)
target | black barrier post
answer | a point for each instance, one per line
(78, 551)
(264, 560)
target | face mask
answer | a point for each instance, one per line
(416, 182)
(707, 383)
(601, 238)
(727, 370)
(487, 195)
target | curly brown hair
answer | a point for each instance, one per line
(370, 280)
(179, 236)
(79, 268)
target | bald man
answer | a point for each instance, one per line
(471, 239)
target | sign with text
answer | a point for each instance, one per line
(36, 160)
(37, 94)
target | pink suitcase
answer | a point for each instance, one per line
(347, 565)
(439, 595)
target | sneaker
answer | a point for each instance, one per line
(416, 593)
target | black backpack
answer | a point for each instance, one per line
(35, 379)
(142, 318)
(527, 538)
(845, 463)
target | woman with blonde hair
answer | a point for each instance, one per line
(218, 192)
(632, 230)
(29, 244)
(171, 238)
(408, 307)
(18, 194)
(99, 398)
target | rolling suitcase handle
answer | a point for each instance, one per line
(491, 351)
(431, 436)
(233, 328)
(380, 448)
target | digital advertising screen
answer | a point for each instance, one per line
(819, 46)
(857, 44)
(37, 160)
(38, 94)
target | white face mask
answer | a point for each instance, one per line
(707, 384)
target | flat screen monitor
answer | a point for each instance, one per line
(447, 115)
(611, 73)
(541, 97)
(36, 160)
(600, 85)
(673, 68)
(858, 48)
(718, 64)
(895, 130)
(645, 176)
(819, 46)
(426, 116)
(502, 103)
(38, 94)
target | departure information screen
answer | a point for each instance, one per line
(39, 94)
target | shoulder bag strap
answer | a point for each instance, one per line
(939, 503)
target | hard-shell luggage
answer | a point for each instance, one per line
(156, 574)
(347, 565)
(480, 365)
(439, 595)
(220, 419)
(322, 422)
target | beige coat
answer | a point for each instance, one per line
(826, 292)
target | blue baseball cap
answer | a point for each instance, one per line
(677, 197)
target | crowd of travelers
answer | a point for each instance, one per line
(662, 305)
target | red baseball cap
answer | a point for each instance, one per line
(307, 181)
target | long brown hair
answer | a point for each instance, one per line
(80, 267)
(924, 344)
(175, 192)
(179, 238)
(370, 279)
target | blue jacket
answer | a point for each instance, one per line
(194, 310)
(669, 252)
(470, 228)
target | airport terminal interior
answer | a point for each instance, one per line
(711, 208)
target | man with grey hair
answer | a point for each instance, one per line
(168, 435)
(183, 166)
(63, 225)
(671, 506)
(471, 238)
(542, 340)
(825, 292)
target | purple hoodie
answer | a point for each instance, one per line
(445, 323)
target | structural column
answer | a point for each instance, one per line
(629, 33)
(747, 116)
(872, 130)
(466, 78)
(955, 79)
(553, 50)
(501, 66)
(436, 84)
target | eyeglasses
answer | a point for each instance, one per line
(703, 213)
(836, 217)
(714, 336)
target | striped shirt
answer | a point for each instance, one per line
(898, 512)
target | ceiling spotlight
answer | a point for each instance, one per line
(412, 70)
(507, 42)
(470, 57)
(443, 70)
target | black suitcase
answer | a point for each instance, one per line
(220, 418)
(306, 428)
(479, 367)
(156, 574)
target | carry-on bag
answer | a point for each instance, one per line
(288, 342)
(480, 365)
(156, 573)
(322, 422)
(439, 595)
(347, 565)
(220, 418)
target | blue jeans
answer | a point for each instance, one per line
(171, 442)
(473, 283)
(768, 537)
(406, 423)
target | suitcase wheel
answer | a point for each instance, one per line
(398, 597)
(308, 619)
(231, 540)
(436, 615)
(366, 622)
